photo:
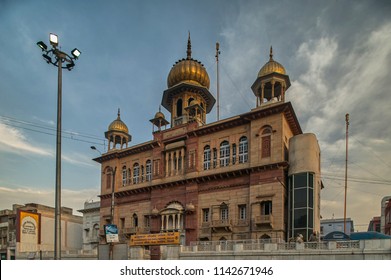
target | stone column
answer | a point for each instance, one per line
(183, 160)
(167, 160)
(273, 83)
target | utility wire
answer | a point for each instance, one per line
(361, 180)
(373, 152)
(51, 131)
(240, 92)
(10, 119)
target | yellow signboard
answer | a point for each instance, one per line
(168, 238)
(28, 234)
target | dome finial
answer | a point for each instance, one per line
(189, 47)
(271, 53)
(118, 114)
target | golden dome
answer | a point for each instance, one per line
(271, 66)
(159, 115)
(118, 125)
(188, 70)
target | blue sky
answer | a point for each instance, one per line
(337, 54)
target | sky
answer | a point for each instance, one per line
(336, 53)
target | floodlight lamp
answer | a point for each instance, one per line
(42, 45)
(70, 66)
(76, 53)
(53, 38)
(48, 58)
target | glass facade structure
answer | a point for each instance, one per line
(301, 204)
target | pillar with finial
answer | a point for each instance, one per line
(158, 121)
(188, 52)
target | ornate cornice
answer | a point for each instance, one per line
(198, 179)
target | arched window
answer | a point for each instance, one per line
(109, 177)
(266, 142)
(207, 157)
(265, 238)
(179, 108)
(189, 101)
(243, 149)
(124, 176)
(224, 153)
(135, 220)
(136, 173)
(108, 180)
(148, 170)
(266, 207)
(95, 231)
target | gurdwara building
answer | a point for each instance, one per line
(251, 176)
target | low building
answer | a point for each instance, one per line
(385, 218)
(374, 224)
(91, 221)
(28, 230)
(329, 225)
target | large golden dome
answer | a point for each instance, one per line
(188, 70)
(118, 125)
(271, 66)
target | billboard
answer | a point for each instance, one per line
(29, 231)
(168, 238)
(111, 233)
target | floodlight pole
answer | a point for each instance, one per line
(346, 172)
(60, 57)
(57, 218)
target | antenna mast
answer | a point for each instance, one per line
(346, 171)
(218, 85)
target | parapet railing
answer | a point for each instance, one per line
(267, 244)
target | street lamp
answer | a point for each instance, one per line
(56, 57)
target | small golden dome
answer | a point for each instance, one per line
(159, 115)
(271, 66)
(188, 70)
(118, 125)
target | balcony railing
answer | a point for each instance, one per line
(241, 223)
(180, 120)
(226, 224)
(131, 230)
(264, 220)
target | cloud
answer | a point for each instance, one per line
(14, 141)
(337, 81)
(78, 159)
(69, 198)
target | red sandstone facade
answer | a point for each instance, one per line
(219, 181)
